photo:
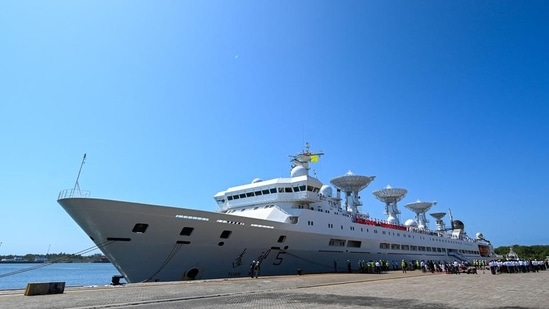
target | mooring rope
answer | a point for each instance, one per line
(170, 256)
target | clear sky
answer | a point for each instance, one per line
(173, 101)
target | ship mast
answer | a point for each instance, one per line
(451, 219)
(305, 157)
(76, 185)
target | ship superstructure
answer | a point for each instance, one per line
(287, 224)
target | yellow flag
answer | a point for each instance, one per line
(314, 158)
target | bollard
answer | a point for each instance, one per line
(116, 280)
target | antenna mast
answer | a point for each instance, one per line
(76, 185)
(451, 218)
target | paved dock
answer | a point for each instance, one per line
(394, 289)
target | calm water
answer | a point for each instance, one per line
(73, 274)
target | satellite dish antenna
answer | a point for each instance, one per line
(390, 196)
(351, 184)
(420, 208)
(438, 220)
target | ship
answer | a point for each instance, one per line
(289, 225)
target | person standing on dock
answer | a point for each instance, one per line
(256, 268)
(252, 269)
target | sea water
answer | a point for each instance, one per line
(17, 275)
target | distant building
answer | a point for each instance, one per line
(512, 255)
(13, 259)
(19, 259)
(40, 259)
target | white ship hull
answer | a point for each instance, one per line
(186, 244)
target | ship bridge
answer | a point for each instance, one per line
(300, 189)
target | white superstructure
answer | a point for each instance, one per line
(294, 224)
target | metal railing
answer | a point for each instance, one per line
(67, 193)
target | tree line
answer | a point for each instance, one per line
(54, 258)
(537, 252)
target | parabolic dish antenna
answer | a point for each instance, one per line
(438, 215)
(351, 182)
(390, 194)
(419, 206)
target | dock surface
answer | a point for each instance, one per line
(393, 289)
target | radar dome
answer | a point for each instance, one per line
(257, 180)
(392, 220)
(459, 225)
(480, 236)
(410, 223)
(326, 190)
(298, 171)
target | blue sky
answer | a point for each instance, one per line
(173, 101)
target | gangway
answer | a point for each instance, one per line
(458, 256)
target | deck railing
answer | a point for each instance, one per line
(67, 193)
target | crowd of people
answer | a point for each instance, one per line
(451, 267)
(448, 267)
(517, 266)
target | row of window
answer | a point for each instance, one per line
(141, 228)
(187, 231)
(399, 234)
(384, 245)
(265, 191)
(255, 208)
(334, 242)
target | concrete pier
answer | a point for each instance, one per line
(394, 289)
